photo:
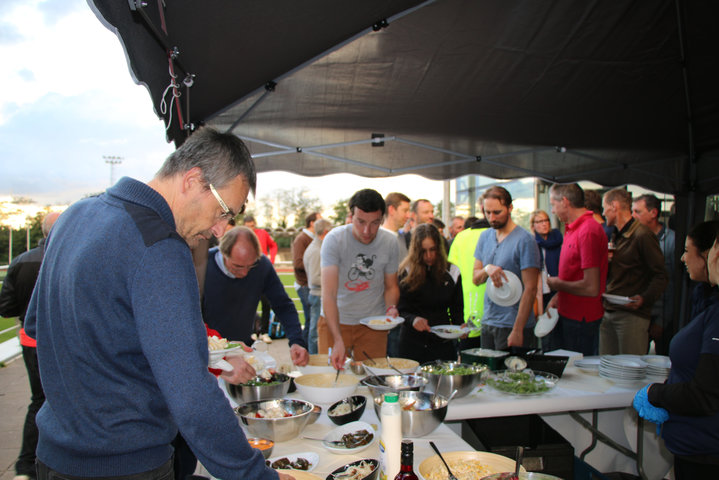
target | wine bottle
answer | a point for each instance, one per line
(405, 470)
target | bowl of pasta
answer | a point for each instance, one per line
(321, 387)
(347, 410)
(365, 469)
(465, 465)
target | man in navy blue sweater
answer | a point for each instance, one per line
(120, 339)
(237, 275)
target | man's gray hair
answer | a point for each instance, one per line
(651, 202)
(230, 238)
(220, 156)
(571, 191)
(321, 226)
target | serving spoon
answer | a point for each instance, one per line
(434, 447)
(389, 364)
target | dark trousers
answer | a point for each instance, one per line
(163, 472)
(685, 469)
(579, 335)
(304, 293)
(264, 326)
(25, 464)
(184, 461)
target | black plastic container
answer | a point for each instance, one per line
(545, 451)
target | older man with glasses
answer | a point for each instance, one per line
(237, 275)
(121, 346)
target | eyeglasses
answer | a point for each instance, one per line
(541, 221)
(245, 267)
(227, 214)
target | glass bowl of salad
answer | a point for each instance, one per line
(445, 377)
(260, 388)
(523, 383)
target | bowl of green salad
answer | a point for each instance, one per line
(260, 388)
(523, 383)
(444, 377)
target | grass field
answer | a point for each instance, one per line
(6, 323)
(288, 280)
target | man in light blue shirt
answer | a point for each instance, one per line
(506, 246)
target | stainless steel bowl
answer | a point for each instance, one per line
(276, 429)
(394, 383)
(314, 415)
(250, 393)
(264, 445)
(357, 368)
(422, 412)
(464, 383)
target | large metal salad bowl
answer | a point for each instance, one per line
(421, 412)
(380, 384)
(445, 377)
(257, 390)
(277, 429)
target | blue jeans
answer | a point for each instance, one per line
(303, 292)
(315, 302)
(579, 335)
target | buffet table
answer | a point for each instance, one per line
(444, 436)
(582, 407)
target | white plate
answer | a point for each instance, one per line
(218, 354)
(449, 332)
(381, 322)
(546, 322)
(657, 361)
(312, 458)
(336, 435)
(509, 293)
(616, 299)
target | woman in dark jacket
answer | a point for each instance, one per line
(687, 404)
(430, 294)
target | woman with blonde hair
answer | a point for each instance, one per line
(430, 294)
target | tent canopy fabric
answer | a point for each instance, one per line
(614, 92)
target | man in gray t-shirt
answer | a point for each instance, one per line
(359, 279)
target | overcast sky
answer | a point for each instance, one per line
(67, 99)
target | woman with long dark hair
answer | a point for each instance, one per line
(430, 294)
(687, 404)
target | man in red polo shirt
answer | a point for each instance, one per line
(582, 271)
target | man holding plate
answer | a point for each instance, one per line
(359, 279)
(504, 254)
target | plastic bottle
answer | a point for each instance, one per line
(405, 470)
(390, 417)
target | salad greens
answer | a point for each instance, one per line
(521, 383)
(451, 370)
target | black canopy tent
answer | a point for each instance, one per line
(614, 92)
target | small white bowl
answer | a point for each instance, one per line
(320, 387)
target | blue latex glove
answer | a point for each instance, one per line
(648, 411)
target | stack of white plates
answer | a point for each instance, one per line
(657, 365)
(622, 368)
(588, 364)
